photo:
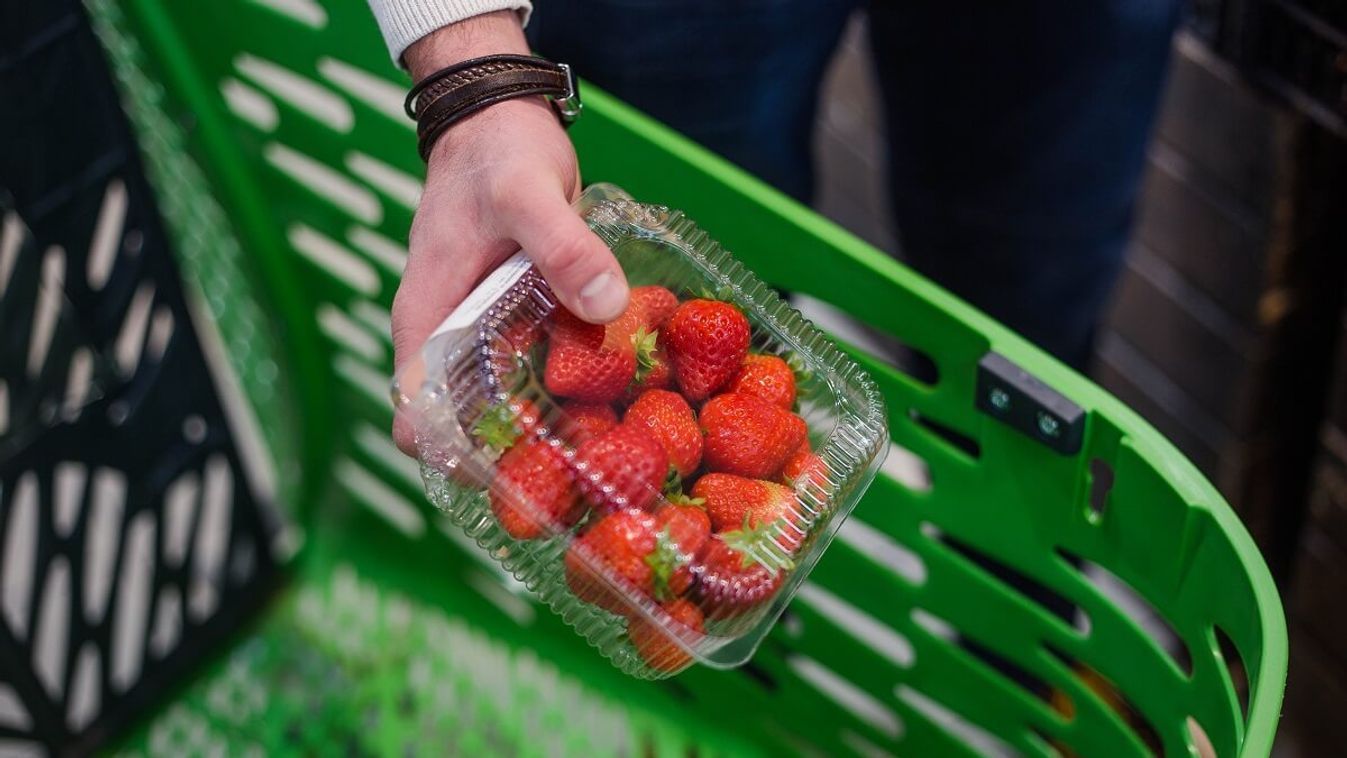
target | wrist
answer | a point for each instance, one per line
(479, 135)
(487, 34)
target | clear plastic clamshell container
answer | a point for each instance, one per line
(664, 482)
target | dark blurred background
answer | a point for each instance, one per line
(1227, 329)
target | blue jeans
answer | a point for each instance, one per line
(1017, 128)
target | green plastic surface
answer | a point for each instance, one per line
(284, 116)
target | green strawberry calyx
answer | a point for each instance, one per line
(673, 491)
(664, 561)
(673, 483)
(684, 501)
(721, 293)
(802, 373)
(811, 469)
(646, 343)
(498, 428)
(759, 545)
(797, 364)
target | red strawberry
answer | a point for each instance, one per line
(748, 436)
(730, 580)
(684, 524)
(619, 332)
(624, 467)
(669, 418)
(653, 371)
(590, 362)
(707, 342)
(805, 471)
(653, 639)
(767, 377)
(568, 327)
(533, 494)
(515, 339)
(522, 334)
(587, 420)
(607, 562)
(629, 554)
(656, 303)
(735, 503)
(501, 424)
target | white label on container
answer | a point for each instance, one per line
(486, 293)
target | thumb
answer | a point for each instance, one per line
(579, 267)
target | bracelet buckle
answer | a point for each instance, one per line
(568, 106)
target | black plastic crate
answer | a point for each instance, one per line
(132, 537)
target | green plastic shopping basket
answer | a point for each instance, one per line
(273, 133)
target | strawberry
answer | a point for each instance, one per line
(748, 436)
(707, 341)
(767, 377)
(522, 333)
(686, 526)
(653, 371)
(730, 579)
(654, 640)
(534, 495)
(656, 303)
(501, 424)
(622, 468)
(670, 420)
(805, 470)
(585, 420)
(621, 331)
(735, 503)
(607, 561)
(515, 338)
(629, 554)
(590, 362)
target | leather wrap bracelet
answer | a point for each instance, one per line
(451, 94)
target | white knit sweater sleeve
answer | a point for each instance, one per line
(406, 21)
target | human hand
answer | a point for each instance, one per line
(498, 181)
